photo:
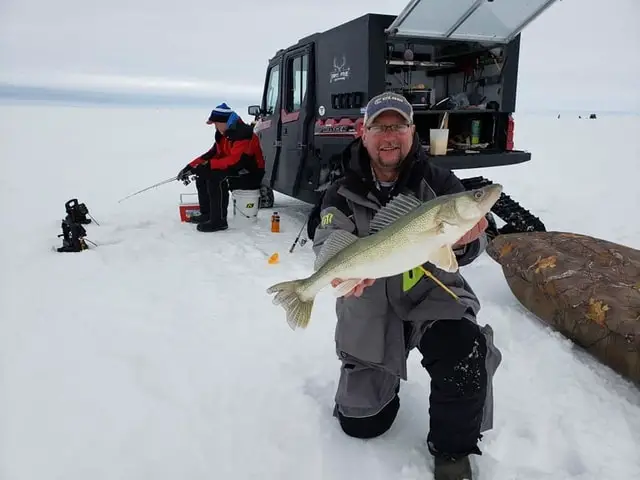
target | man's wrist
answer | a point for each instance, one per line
(460, 250)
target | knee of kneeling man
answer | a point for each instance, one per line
(370, 427)
(454, 339)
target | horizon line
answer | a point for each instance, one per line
(53, 94)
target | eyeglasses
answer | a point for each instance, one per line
(379, 129)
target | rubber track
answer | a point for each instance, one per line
(517, 218)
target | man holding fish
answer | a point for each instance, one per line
(393, 232)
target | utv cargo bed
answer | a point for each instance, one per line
(463, 161)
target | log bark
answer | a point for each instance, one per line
(586, 288)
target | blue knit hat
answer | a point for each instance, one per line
(220, 114)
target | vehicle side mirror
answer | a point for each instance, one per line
(254, 110)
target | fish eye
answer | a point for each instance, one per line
(478, 194)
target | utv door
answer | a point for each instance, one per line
(490, 21)
(268, 127)
(297, 112)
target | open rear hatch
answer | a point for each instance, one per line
(450, 56)
(490, 21)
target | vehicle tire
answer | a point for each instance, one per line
(266, 196)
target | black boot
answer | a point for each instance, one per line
(201, 218)
(452, 468)
(211, 227)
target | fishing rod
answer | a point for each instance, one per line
(186, 181)
(302, 242)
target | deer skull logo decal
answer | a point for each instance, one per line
(340, 70)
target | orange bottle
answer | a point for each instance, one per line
(275, 222)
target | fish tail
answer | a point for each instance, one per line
(298, 310)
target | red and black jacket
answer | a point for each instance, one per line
(235, 150)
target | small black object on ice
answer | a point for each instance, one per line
(73, 233)
(77, 212)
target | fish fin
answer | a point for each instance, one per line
(346, 286)
(298, 311)
(337, 241)
(445, 259)
(397, 207)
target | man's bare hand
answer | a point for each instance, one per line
(358, 289)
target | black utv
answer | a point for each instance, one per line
(456, 61)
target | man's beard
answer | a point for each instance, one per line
(387, 166)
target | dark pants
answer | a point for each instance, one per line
(454, 353)
(213, 192)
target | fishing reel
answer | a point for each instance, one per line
(77, 212)
(187, 179)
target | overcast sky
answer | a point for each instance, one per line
(581, 54)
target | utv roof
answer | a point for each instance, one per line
(309, 38)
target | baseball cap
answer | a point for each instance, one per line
(388, 101)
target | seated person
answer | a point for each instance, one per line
(235, 161)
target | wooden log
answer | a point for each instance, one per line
(586, 288)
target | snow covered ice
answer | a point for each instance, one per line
(158, 355)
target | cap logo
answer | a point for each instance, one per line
(387, 97)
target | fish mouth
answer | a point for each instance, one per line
(492, 194)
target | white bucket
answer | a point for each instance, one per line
(245, 205)
(438, 141)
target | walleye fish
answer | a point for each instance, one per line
(404, 234)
